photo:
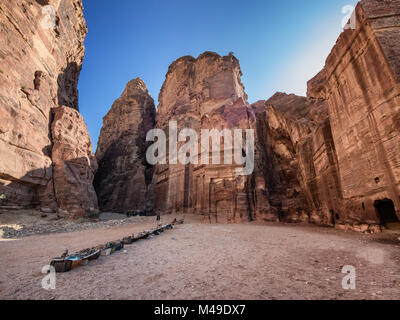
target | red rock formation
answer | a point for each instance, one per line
(284, 185)
(40, 60)
(206, 93)
(360, 84)
(199, 86)
(331, 158)
(124, 175)
(278, 138)
(346, 151)
(299, 108)
(74, 164)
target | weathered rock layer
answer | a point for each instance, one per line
(360, 175)
(41, 53)
(329, 158)
(124, 175)
(337, 150)
(74, 164)
(199, 94)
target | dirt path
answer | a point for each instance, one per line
(200, 261)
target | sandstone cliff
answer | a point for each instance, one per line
(278, 137)
(124, 175)
(41, 53)
(207, 93)
(348, 155)
(360, 84)
(329, 158)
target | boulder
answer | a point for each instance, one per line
(74, 164)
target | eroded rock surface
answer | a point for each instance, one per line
(41, 53)
(329, 158)
(347, 149)
(124, 175)
(74, 164)
(198, 94)
(360, 84)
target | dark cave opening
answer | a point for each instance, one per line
(386, 211)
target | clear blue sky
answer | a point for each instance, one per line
(280, 44)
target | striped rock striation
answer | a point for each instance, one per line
(359, 177)
(41, 53)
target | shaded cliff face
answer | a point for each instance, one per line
(278, 137)
(302, 163)
(41, 53)
(124, 175)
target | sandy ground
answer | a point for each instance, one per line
(21, 223)
(201, 261)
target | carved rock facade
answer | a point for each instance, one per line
(199, 94)
(359, 177)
